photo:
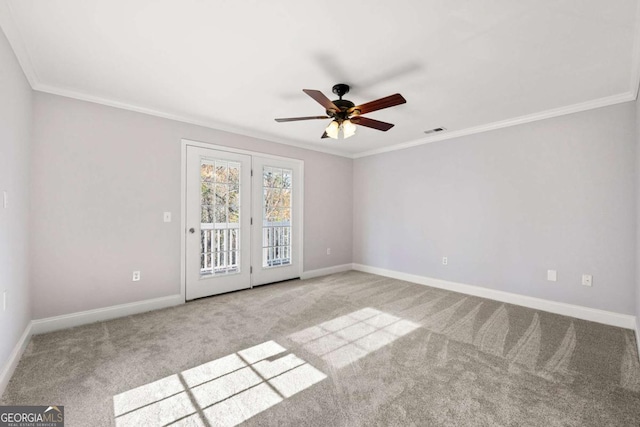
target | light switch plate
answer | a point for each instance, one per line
(5, 199)
(587, 280)
(167, 217)
(552, 275)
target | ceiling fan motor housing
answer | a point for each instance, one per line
(344, 107)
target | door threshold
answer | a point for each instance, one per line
(216, 295)
(275, 283)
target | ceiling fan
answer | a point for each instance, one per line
(346, 114)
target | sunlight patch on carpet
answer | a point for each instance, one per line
(222, 392)
(345, 339)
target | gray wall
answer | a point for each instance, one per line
(505, 206)
(102, 177)
(15, 148)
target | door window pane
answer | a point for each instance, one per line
(233, 198)
(220, 217)
(277, 184)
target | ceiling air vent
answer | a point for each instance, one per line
(436, 130)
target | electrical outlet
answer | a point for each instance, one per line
(328, 251)
(587, 280)
(167, 217)
(136, 276)
(552, 275)
(445, 260)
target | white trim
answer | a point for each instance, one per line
(325, 271)
(183, 220)
(547, 114)
(594, 315)
(14, 358)
(211, 146)
(11, 30)
(638, 333)
(635, 56)
(56, 323)
(575, 108)
(301, 228)
(208, 123)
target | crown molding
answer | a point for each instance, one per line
(575, 108)
(635, 56)
(12, 32)
(211, 124)
(547, 114)
(16, 40)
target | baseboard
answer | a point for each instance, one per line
(324, 271)
(56, 323)
(594, 315)
(14, 358)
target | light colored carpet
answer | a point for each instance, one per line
(350, 349)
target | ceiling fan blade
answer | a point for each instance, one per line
(324, 135)
(371, 123)
(295, 119)
(321, 99)
(379, 104)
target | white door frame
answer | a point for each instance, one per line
(183, 201)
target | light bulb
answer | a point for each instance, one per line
(332, 130)
(348, 129)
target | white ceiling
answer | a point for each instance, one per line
(466, 65)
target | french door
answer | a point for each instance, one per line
(276, 220)
(243, 221)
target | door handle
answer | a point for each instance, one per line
(192, 230)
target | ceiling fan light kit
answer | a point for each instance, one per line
(345, 114)
(347, 127)
(333, 129)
